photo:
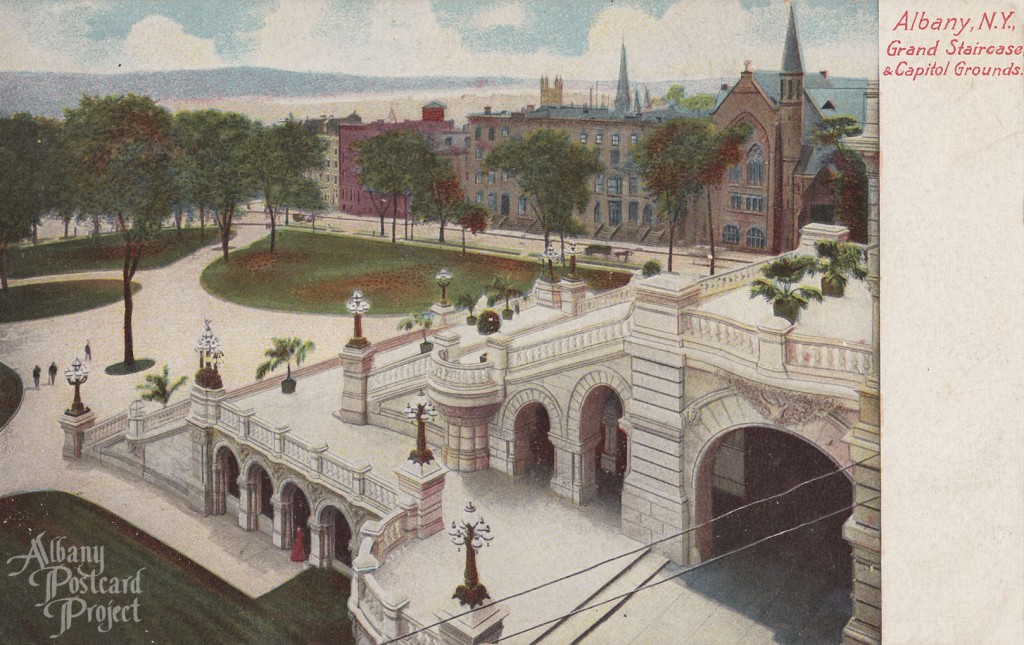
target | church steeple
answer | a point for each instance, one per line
(622, 98)
(791, 61)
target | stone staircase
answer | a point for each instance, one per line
(575, 628)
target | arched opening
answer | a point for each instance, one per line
(261, 490)
(535, 454)
(226, 490)
(746, 465)
(296, 518)
(604, 444)
(338, 534)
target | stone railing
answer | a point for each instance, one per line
(385, 614)
(582, 340)
(115, 425)
(402, 371)
(734, 279)
(608, 298)
(453, 375)
(827, 358)
(352, 480)
(139, 427)
(387, 534)
(714, 332)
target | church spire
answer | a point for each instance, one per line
(622, 98)
(791, 62)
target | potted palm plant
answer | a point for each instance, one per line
(159, 387)
(424, 321)
(836, 262)
(780, 286)
(284, 351)
(501, 288)
(467, 302)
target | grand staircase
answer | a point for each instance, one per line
(576, 627)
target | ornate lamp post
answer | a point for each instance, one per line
(472, 532)
(417, 411)
(550, 255)
(443, 279)
(210, 353)
(357, 305)
(572, 260)
(77, 374)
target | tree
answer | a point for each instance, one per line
(439, 193)
(123, 151)
(284, 351)
(213, 170)
(279, 157)
(553, 173)
(159, 387)
(304, 194)
(675, 95)
(473, 218)
(697, 102)
(777, 286)
(393, 163)
(849, 182)
(722, 149)
(30, 184)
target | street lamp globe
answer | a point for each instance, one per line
(571, 252)
(550, 254)
(472, 532)
(443, 279)
(77, 374)
(418, 411)
(357, 305)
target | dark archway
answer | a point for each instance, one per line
(751, 464)
(297, 517)
(535, 454)
(226, 492)
(605, 443)
(338, 534)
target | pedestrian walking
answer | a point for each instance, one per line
(35, 375)
(88, 350)
(53, 372)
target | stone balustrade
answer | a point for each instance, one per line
(720, 334)
(583, 340)
(828, 358)
(608, 298)
(402, 371)
(139, 428)
(734, 279)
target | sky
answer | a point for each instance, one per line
(577, 39)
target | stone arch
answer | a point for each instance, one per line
(253, 500)
(226, 475)
(292, 512)
(600, 376)
(532, 394)
(335, 533)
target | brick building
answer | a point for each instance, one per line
(326, 127)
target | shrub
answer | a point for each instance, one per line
(651, 267)
(488, 322)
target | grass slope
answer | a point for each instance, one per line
(46, 299)
(11, 391)
(316, 273)
(103, 253)
(180, 601)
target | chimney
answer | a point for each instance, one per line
(487, 109)
(725, 86)
(824, 73)
(530, 107)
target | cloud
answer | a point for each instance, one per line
(508, 14)
(157, 43)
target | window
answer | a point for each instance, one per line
(634, 186)
(448, 141)
(756, 238)
(648, 214)
(479, 177)
(490, 178)
(479, 132)
(736, 174)
(597, 212)
(755, 203)
(599, 183)
(755, 167)
(615, 157)
(583, 136)
(615, 185)
(492, 201)
(504, 132)
(504, 204)
(615, 138)
(522, 206)
(731, 234)
(614, 212)
(599, 137)
(479, 153)
(633, 138)
(634, 211)
(479, 197)
(490, 134)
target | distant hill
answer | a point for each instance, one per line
(48, 93)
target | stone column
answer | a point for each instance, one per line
(573, 293)
(547, 294)
(248, 514)
(864, 528)
(219, 489)
(204, 410)
(425, 484)
(771, 356)
(356, 361)
(465, 430)
(283, 533)
(200, 480)
(481, 626)
(321, 547)
(74, 428)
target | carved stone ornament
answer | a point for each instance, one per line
(692, 416)
(782, 406)
(315, 493)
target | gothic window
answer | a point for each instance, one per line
(735, 174)
(756, 239)
(731, 234)
(755, 167)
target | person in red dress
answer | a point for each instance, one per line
(299, 546)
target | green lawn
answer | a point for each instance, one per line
(316, 273)
(11, 391)
(46, 299)
(102, 253)
(180, 601)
